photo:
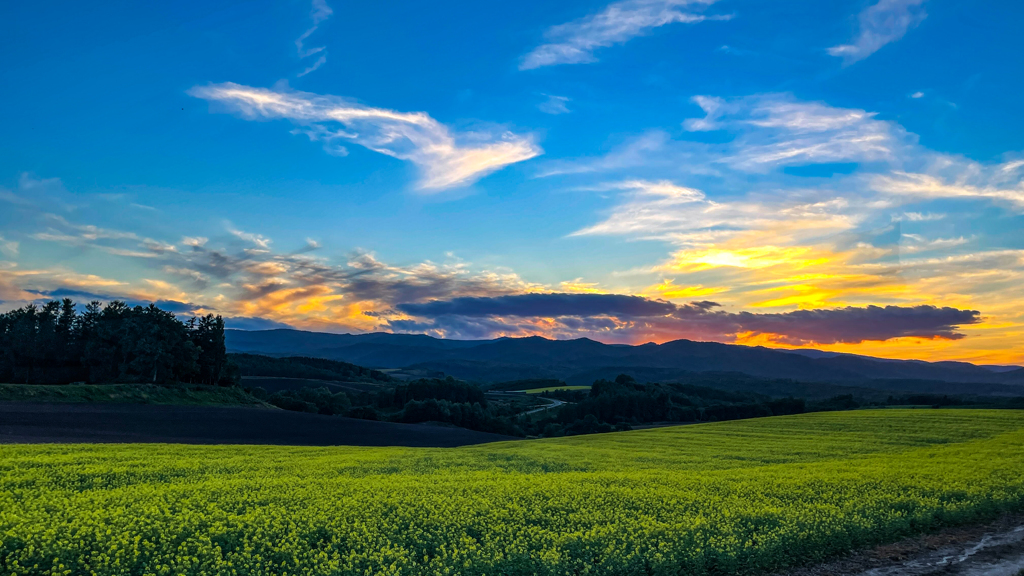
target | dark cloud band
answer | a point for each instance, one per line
(637, 317)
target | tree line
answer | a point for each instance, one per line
(444, 400)
(618, 404)
(57, 343)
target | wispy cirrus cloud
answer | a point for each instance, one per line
(770, 131)
(575, 42)
(554, 104)
(643, 150)
(927, 186)
(880, 24)
(258, 240)
(8, 247)
(318, 13)
(773, 132)
(446, 159)
(779, 130)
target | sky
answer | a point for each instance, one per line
(845, 175)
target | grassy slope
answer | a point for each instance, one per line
(743, 496)
(128, 394)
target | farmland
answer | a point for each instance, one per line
(553, 388)
(732, 497)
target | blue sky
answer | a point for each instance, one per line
(770, 157)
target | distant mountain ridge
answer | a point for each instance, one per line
(506, 359)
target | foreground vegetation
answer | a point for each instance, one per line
(304, 367)
(722, 498)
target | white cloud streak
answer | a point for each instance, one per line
(318, 13)
(575, 42)
(445, 159)
(257, 239)
(319, 62)
(880, 24)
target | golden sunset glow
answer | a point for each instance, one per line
(669, 290)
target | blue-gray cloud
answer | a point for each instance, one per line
(546, 305)
(243, 323)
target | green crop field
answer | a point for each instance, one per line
(553, 388)
(733, 497)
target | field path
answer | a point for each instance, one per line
(553, 404)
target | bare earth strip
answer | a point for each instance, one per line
(121, 423)
(994, 549)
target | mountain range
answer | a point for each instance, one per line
(581, 361)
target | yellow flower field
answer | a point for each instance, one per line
(732, 497)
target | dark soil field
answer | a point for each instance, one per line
(121, 423)
(176, 394)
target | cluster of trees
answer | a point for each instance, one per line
(57, 344)
(308, 399)
(851, 402)
(448, 389)
(464, 414)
